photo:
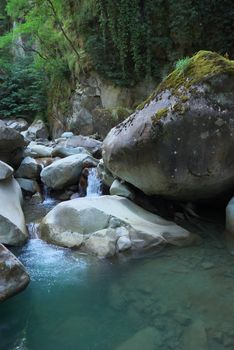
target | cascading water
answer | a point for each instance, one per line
(94, 184)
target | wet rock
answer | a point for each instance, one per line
(150, 149)
(29, 169)
(12, 223)
(67, 134)
(104, 174)
(13, 277)
(121, 189)
(6, 171)
(66, 171)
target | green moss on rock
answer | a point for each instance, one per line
(203, 65)
(161, 113)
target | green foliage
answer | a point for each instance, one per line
(22, 90)
(182, 64)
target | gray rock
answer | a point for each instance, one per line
(123, 243)
(18, 124)
(38, 151)
(66, 171)
(92, 145)
(150, 149)
(121, 189)
(6, 171)
(29, 169)
(28, 185)
(104, 174)
(37, 130)
(13, 277)
(11, 146)
(12, 223)
(91, 214)
(62, 152)
(67, 134)
(102, 243)
(144, 339)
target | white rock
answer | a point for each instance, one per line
(124, 243)
(5, 171)
(102, 243)
(12, 223)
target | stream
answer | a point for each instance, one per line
(175, 298)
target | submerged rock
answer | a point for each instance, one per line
(103, 220)
(66, 171)
(13, 276)
(12, 223)
(179, 143)
(144, 339)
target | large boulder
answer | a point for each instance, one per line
(102, 221)
(13, 277)
(12, 223)
(11, 145)
(179, 143)
(66, 171)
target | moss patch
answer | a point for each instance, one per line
(203, 65)
(161, 113)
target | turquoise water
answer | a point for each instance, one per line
(173, 299)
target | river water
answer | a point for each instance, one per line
(176, 298)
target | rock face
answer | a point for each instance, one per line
(66, 171)
(12, 224)
(102, 221)
(179, 143)
(11, 145)
(13, 277)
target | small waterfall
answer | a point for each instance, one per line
(94, 184)
(33, 229)
(48, 200)
(18, 44)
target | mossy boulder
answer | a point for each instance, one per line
(179, 143)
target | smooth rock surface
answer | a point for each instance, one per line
(29, 169)
(107, 214)
(38, 151)
(66, 171)
(28, 185)
(5, 171)
(12, 223)
(179, 143)
(11, 146)
(92, 145)
(121, 189)
(13, 277)
(62, 152)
